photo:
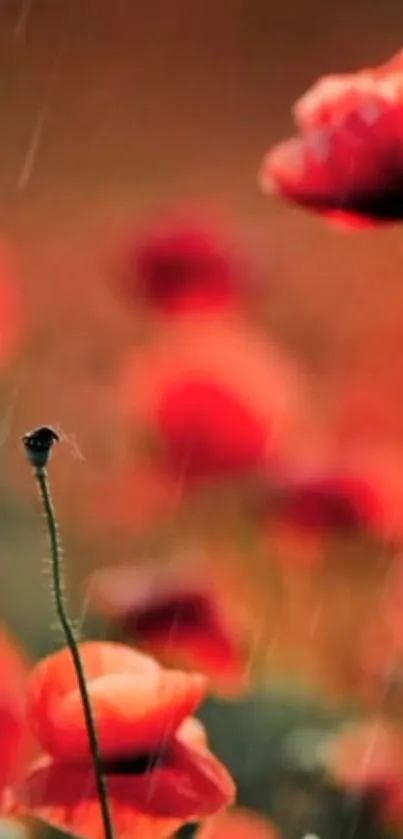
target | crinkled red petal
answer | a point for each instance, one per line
(189, 782)
(347, 163)
(209, 431)
(64, 796)
(13, 730)
(221, 661)
(135, 702)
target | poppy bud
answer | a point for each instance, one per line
(38, 445)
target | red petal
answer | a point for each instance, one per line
(242, 365)
(135, 702)
(208, 430)
(193, 733)
(225, 667)
(11, 316)
(180, 265)
(340, 502)
(312, 171)
(393, 65)
(347, 161)
(333, 98)
(65, 796)
(13, 734)
(189, 782)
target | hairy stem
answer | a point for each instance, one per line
(41, 478)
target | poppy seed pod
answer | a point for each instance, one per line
(38, 445)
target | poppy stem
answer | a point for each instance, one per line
(38, 446)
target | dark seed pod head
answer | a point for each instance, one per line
(38, 445)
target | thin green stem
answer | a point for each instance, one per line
(41, 478)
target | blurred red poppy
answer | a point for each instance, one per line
(208, 431)
(347, 160)
(10, 310)
(181, 265)
(302, 508)
(207, 410)
(330, 502)
(13, 732)
(225, 405)
(159, 772)
(175, 617)
(238, 824)
(368, 757)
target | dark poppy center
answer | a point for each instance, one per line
(321, 507)
(184, 611)
(133, 764)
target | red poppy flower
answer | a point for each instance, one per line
(208, 431)
(158, 769)
(13, 739)
(238, 824)
(180, 266)
(369, 758)
(347, 160)
(177, 618)
(222, 406)
(340, 503)
(302, 508)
